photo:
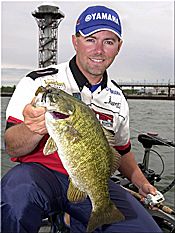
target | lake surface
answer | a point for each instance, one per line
(145, 116)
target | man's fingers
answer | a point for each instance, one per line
(33, 101)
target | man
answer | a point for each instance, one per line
(37, 187)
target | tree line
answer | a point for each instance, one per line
(8, 89)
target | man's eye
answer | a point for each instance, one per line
(90, 40)
(109, 42)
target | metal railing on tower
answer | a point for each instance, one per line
(48, 17)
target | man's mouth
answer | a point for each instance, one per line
(97, 60)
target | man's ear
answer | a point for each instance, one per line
(74, 42)
(120, 45)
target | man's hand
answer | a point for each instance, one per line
(130, 169)
(34, 118)
(147, 188)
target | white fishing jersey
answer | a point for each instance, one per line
(107, 100)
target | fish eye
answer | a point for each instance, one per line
(53, 97)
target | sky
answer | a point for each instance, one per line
(147, 53)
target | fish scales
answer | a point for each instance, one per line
(85, 153)
(87, 140)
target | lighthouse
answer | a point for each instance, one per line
(48, 17)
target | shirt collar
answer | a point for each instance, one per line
(80, 79)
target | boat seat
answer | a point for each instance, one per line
(148, 140)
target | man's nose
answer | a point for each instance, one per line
(99, 48)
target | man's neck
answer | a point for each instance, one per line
(94, 80)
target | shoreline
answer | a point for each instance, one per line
(146, 97)
(153, 97)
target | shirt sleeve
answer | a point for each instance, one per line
(23, 94)
(122, 134)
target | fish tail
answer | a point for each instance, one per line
(101, 216)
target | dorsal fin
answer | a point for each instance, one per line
(116, 158)
(110, 136)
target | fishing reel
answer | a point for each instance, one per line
(154, 200)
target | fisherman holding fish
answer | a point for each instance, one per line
(60, 173)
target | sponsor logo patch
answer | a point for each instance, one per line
(102, 16)
(55, 84)
(105, 119)
(112, 103)
(113, 91)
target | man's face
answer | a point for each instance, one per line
(96, 52)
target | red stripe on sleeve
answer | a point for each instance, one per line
(124, 149)
(13, 120)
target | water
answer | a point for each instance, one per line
(145, 116)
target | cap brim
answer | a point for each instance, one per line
(91, 30)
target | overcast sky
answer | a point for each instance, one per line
(147, 54)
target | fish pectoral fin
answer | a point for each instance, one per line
(50, 147)
(115, 162)
(104, 215)
(74, 194)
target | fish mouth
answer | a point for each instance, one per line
(58, 115)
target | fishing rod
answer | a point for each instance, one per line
(164, 208)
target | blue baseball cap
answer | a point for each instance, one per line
(98, 18)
